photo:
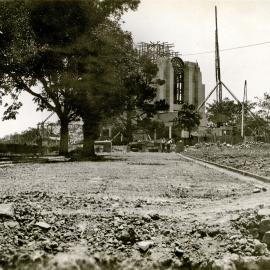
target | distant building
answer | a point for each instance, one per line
(182, 81)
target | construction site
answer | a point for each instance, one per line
(183, 83)
(187, 188)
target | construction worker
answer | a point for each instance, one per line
(168, 145)
(162, 144)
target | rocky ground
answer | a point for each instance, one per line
(135, 211)
(251, 157)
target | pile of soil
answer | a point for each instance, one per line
(251, 157)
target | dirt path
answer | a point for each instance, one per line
(189, 212)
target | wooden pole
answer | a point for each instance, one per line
(209, 95)
(243, 110)
(217, 61)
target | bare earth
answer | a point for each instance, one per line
(98, 213)
(251, 157)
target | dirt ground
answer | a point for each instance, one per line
(251, 157)
(134, 211)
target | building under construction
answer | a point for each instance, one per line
(183, 80)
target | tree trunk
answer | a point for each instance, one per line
(129, 127)
(90, 134)
(189, 137)
(63, 150)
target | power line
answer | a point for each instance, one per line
(229, 49)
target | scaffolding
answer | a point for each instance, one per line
(155, 50)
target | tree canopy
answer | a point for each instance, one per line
(70, 49)
(188, 118)
(264, 107)
(226, 112)
(139, 105)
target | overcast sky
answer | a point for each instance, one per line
(190, 25)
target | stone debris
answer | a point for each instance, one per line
(120, 236)
(178, 252)
(174, 242)
(11, 224)
(266, 238)
(265, 212)
(128, 236)
(249, 157)
(7, 210)
(145, 245)
(146, 218)
(43, 225)
(226, 263)
(82, 226)
(155, 216)
(259, 247)
(264, 225)
(257, 190)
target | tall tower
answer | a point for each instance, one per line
(217, 61)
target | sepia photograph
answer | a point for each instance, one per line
(134, 135)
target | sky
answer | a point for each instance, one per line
(190, 25)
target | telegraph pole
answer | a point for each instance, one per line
(217, 61)
(220, 84)
(243, 110)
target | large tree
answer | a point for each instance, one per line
(99, 91)
(140, 105)
(41, 42)
(33, 59)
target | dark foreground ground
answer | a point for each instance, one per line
(136, 211)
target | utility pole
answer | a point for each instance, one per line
(217, 61)
(243, 110)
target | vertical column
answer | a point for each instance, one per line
(110, 132)
(170, 132)
(191, 84)
(186, 83)
(171, 86)
(199, 89)
(161, 75)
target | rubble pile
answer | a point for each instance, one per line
(38, 233)
(252, 157)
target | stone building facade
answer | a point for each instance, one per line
(183, 84)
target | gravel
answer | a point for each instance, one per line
(114, 215)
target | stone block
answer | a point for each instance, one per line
(264, 225)
(7, 210)
(266, 238)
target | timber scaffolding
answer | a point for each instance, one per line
(155, 50)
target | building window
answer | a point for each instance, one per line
(178, 91)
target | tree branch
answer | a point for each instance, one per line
(51, 95)
(20, 83)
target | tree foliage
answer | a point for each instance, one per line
(69, 50)
(188, 118)
(261, 125)
(264, 107)
(140, 104)
(226, 112)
